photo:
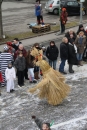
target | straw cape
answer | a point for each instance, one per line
(52, 86)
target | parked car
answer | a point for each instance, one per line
(52, 6)
(72, 7)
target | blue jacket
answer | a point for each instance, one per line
(37, 10)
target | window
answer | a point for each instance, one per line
(70, 3)
(75, 3)
(57, 2)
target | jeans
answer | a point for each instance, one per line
(79, 56)
(31, 74)
(53, 63)
(62, 64)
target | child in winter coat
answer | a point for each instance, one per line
(10, 77)
(20, 65)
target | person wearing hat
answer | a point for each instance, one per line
(10, 48)
(81, 28)
(10, 77)
(5, 57)
(63, 19)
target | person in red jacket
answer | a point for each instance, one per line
(63, 19)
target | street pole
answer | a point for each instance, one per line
(59, 17)
(81, 5)
(59, 14)
(1, 26)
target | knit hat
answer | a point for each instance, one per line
(9, 43)
(9, 63)
(80, 26)
(63, 9)
(6, 48)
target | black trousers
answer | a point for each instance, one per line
(26, 73)
(20, 77)
(62, 27)
(38, 19)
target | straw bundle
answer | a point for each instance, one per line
(44, 66)
(37, 53)
(34, 52)
(51, 88)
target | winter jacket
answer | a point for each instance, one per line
(80, 47)
(16, 46)
(20, 63)
(63, 17)
(10, 73)
(37, 10)
(52, 52)
(30, 63)
(72, 59)
(68, 35)
(64, 51)
(23, 51)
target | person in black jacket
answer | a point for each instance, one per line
(81, 28)
(63, 54)
(70, 32)
(72, 51)
(52, 54)
(16, 43)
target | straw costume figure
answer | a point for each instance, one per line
(52, 86)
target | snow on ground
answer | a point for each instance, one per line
(16, 108)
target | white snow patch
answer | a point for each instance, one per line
(80, 72)
(70, 122)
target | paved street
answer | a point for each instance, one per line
(19, 14)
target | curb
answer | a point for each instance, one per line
(42, 34)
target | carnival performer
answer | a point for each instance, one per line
(52, 86)
(10, 77)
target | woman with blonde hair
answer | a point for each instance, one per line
(63, 54)
(80, 42)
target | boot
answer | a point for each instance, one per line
(70, 69)
(81, 64)
(36, 75)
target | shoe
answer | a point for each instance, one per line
(12, 90)
(34, 81)
(71, 71)
(30, 82)
(63, 72)
(19, 86)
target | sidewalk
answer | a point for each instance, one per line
(43, 38)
